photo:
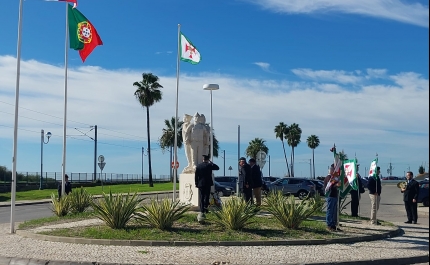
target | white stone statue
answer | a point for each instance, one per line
(196, 137)
(187, 143)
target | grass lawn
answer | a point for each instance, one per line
(123, 188)
(188, 229)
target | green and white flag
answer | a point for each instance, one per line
(350, 169)
(372, 170)
(189, 52)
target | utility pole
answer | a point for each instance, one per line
(310, 168)
(224, 160)
(95, 152)
(269, 166)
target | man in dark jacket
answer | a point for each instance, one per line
(245, 175)
(203, 181)
(355, 196)
(374, 187)
(257, 181)
(67, 186)
(410, 196)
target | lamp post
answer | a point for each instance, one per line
(42, 142)
(211, 87)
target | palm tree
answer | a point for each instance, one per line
(313, 142)
(167, 139)
(147, 93)
(254, 146)
(293, 139)
(281, 131)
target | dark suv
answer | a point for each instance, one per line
(299, 187)
(228, 181)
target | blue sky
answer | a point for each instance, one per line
(355, 73)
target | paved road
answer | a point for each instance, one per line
(391, 209)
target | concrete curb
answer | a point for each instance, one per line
(391, 261)
(112, 242)
(43, 201)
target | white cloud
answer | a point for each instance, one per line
(262, 65)
(392, 119)
(338, 76)
(402, 11)
(375, 73)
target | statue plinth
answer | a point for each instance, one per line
(188, 193)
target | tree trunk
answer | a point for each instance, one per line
(286, 160)
(151, 183)
(313, 161)
(292, 161)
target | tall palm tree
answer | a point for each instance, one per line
(313, 142)
(281, 131)
(167, 139)
(254, 146)
(293, 139)
(148, 93)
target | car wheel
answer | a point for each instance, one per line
(426, 202)
(302, 194)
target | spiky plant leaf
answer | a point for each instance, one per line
(116, 210)
(80, 200)
(289, 213)
(162, 214)
(235, 214)
(60, 207)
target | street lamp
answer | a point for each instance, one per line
(42, 142)
(211, 87)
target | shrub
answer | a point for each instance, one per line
(80, 200)
(289, 213)
(116, 210)
(162, 214)
(235, 214)
(60, 207)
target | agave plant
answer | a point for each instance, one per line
(60, 207)
(116, 210)
(161, 214)
(289, 213)
(235, 214)
(80, 200)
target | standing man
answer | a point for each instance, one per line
(257, 181)
(374, 186)
(203, 181)
(355, 195)
(245, 174)
(67, 186)
(410, 196)
(331, 184)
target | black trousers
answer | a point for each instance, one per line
(355, 202)
(411, 211)
(204, 193)
(247, 192)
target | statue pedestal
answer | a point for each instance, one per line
(188, 193)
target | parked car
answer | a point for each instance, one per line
(423, 197)
(299, 187)
(270, 179)
(319, 186)
(364, 181)
(222, 190)
(228, 181)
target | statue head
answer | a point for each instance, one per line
(187, 118)
(202, 119)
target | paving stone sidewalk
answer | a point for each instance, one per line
(410, 248)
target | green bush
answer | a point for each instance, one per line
(80, 200)
(235, 214)
(116, 211)
(60, 207)
(161, 214)
(289, 213)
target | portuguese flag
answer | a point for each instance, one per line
(83, 35)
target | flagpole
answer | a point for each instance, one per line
(175, 147)
(15, 127)
(376, 195)
(66, 57)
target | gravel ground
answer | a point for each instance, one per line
(415, 242)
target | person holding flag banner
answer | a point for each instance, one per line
(375, 188)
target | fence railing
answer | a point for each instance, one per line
(28, 178)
